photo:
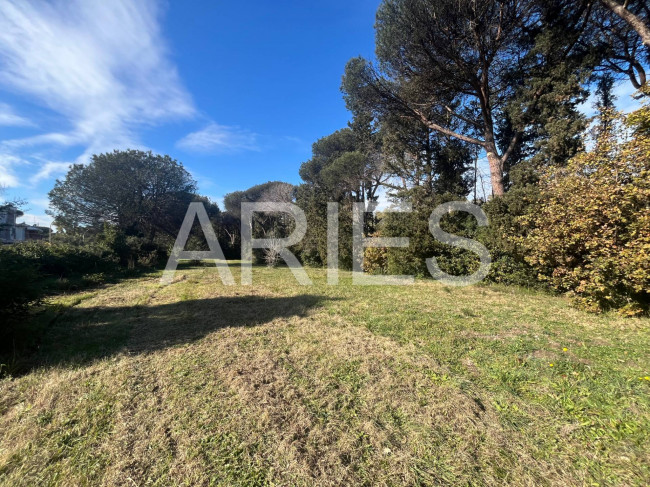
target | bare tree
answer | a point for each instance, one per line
(272, 252)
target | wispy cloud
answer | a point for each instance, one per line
(8, 177)
(40, 219)
(101, 67)
(9, 118)
(49, 169)
(625, 101)
(295, 140)
(215, 138)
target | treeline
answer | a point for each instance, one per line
(503, 80)
(454, 80)
(117, 214)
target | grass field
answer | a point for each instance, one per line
(277, 384)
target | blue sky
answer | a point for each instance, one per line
(238, 92)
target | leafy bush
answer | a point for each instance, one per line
(422, 245)
(19, 284)
(62, 260)
(503, 234)
(133, 250)
(590, 234)
(375, 259)
(26, 268)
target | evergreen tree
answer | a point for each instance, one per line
(496, 74)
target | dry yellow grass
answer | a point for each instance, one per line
(276, 384)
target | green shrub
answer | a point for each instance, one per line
(590, 236)
(62, 260)
(29, 270)
(503, 234)
(422, 245)
(375, 259)
(19, 284)
(133, 250)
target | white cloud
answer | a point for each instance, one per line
(48, 169)
(7, 178)
(625, 101)
(9, 118)
(219, 138)
(7, 175)
(36, 219)
(102, 67)
(291, 138)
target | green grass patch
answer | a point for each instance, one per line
(198, 383)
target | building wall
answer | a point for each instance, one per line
(7, 225)
(11, 232)
(7, 217)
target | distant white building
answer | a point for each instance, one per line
(12, 232)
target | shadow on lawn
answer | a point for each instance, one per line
(80, 335)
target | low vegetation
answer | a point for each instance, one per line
(111, 381)
(197, 383)
(590, 233)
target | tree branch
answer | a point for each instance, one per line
(461, 117)
(511, 147)
(632, 20)
(446, 131)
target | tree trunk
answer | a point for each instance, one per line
(496, 171)
(633, 21)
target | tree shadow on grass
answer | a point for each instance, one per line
(78, 336)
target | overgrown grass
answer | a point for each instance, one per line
(277, 384)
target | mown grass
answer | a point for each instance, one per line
(278, 384)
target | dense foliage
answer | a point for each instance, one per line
(590, 233)
(137, 191)
(28, 271)
(131, 201)
(19, 286)
(345, 168)
(455, 80)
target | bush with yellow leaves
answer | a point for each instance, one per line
(590, 234)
